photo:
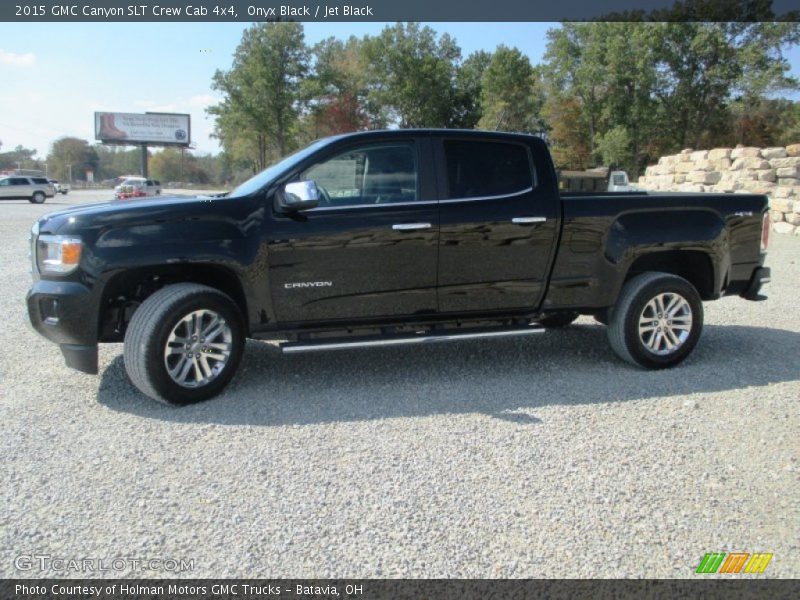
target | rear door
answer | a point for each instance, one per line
(370, 249)
(21, 187)
(499, 217)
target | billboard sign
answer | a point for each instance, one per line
(157, 129)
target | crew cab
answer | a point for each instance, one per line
(386, 237)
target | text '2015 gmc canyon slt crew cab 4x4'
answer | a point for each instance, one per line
(386, 237)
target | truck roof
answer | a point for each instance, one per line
(460, 133)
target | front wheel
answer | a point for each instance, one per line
(184, 344)
(656, 321)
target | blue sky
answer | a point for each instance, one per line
(55, 76)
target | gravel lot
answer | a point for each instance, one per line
(529, 457)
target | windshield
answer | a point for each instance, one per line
(260, 180)
(619, 180)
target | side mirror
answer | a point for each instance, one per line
(299, 195)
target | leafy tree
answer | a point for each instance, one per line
(704, 64)
(569, 142)
(261, 91)
(19, 156)
(411, 75)
(614, 147)
(173, 164)
(574, 68)
(511, 97)
(668, 85)
(71, 156)
(763, 122)
(469, 87)
(336, 93)
(115, 161)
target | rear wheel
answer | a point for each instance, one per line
(37, 198)
(656, 321)
(184, 344)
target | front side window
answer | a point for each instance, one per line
(380, 174)
(5, 181)
(486, 169)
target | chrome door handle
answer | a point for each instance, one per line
(410, 226)
(528, 220)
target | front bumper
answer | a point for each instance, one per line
(760, 276)
(66, 313)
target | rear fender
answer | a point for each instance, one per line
(636, 235)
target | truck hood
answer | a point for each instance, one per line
(128, 212)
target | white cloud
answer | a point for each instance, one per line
(17, 60)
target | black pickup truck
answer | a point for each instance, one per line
(386, 237)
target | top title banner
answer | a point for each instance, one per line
(398, 10)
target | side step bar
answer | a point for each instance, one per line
(397, 340)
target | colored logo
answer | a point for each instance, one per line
(734, 562)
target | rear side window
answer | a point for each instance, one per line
(40, 180)
(485, 169)
(19, 181)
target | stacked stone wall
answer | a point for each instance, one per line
(771, 171)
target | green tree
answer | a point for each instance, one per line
(260, 92)
(614, 147)
(668, 85)
(469, 86)
(511, 95)
(71, 156)
(173, 164)
(19, 157)
(574, 69)
(115, 161)
(705, 64)
(336, 93)
(411, 75)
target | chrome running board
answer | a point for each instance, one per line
(399, 340)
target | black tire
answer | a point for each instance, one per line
(38, 198)
(624, 319)
(150, 328)
(560, 319)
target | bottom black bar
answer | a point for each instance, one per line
(391, 589)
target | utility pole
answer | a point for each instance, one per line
(70, 172)
(144, 161)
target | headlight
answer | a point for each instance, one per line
(58, 254)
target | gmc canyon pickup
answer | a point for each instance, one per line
(379, 238)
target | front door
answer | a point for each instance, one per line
(499, 221)
(370, 249)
